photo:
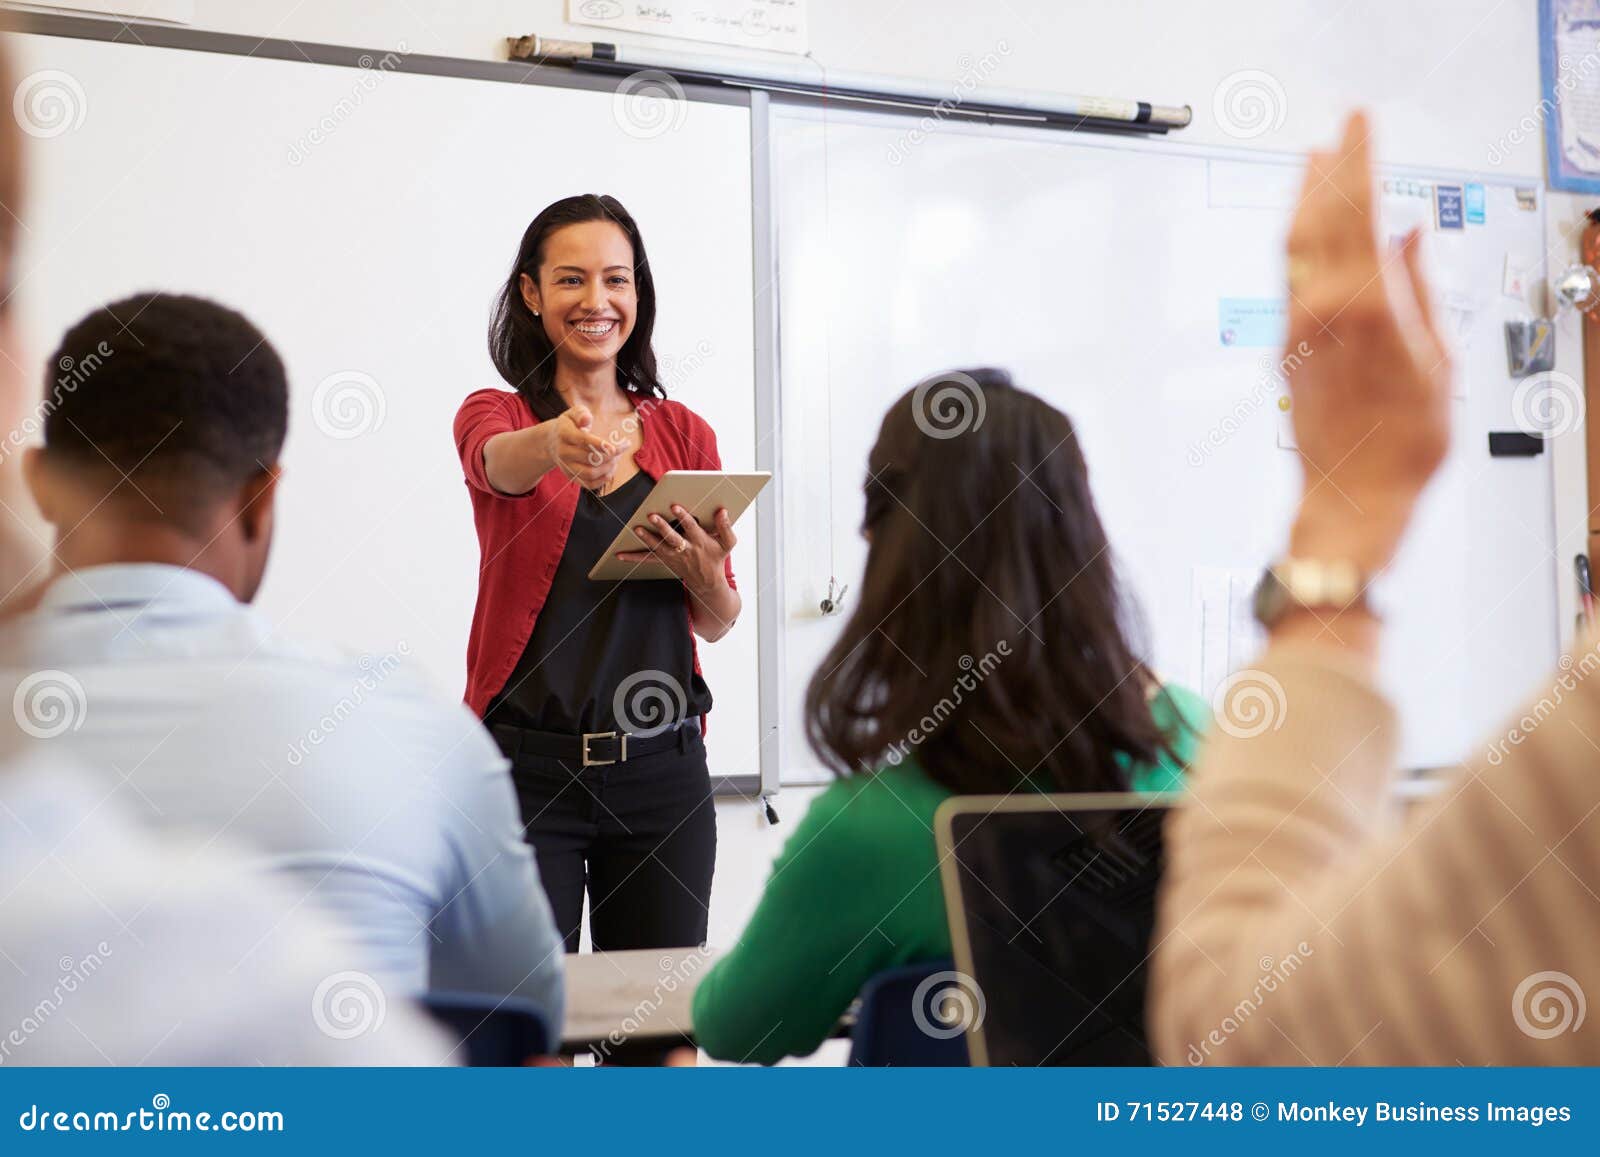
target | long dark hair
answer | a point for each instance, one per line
(523, 352)
(989, 636)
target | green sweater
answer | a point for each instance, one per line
(856, 890)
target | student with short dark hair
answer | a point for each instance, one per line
(173, 411)
(988, 653)
(127, 947)
(377, 802)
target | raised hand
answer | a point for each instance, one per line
(1369, 376)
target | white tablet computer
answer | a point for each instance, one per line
(700, 492)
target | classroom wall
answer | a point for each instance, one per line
(1448, 82)
(1450, 86)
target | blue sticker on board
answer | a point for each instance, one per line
(1252, 321)
(1447, 206)
(1476, 202)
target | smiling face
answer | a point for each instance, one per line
(586, 297)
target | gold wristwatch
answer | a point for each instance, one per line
(1311, 584)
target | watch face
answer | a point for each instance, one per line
(1335, 586)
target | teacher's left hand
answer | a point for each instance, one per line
(694, 554)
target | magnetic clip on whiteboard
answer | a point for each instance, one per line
(1530, 347)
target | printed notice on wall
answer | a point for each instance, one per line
(774, 25)
(1569, 64)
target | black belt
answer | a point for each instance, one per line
(593, 748)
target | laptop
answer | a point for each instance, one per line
(1051, 901)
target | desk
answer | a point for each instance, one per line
(637, 995)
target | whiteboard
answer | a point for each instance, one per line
(1093, 268)
(364, 218)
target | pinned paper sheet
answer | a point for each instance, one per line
(1458, 312)
(1448, 208)
(770, 25)
(1252, 321)
(1226, 634)
(1407, 205)
(1286, 439)
(1514, 280)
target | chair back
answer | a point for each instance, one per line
(502, 1031)
(904, 1019)
(1052, 908)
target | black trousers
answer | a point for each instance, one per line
(639, 836)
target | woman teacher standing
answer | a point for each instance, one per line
(593, 689)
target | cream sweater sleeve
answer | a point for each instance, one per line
(1301, 925)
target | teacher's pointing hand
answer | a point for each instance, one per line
(580, 455)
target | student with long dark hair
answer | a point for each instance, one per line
(593, 689)
(988, 653)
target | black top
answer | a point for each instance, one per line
(604, 656)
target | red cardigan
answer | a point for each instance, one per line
(521, 537)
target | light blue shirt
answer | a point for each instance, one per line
(377, 801)
(127, 946)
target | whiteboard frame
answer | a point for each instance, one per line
(763, 278)
(769, 445)
(1566, 457)
(1567, 460)
(338, 55)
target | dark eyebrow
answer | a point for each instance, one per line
(607, 269)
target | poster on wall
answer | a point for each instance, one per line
(773, 25)
(1569, 66)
